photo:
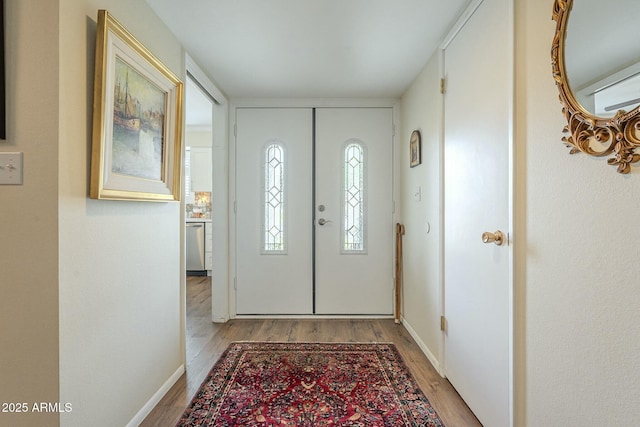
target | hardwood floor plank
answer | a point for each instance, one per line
(206, 341)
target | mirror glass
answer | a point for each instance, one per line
(602, 55)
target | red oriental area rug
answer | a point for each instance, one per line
(310, 385)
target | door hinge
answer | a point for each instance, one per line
(235, 207)
(235, 283)
(443, 85)
(235, 129)
(443, 324)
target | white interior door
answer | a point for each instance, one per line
(478, 72)
(354, 223)
(273, 212)
(284, 266)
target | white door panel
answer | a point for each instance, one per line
(274, 283)
(354, 282)
(477, 282)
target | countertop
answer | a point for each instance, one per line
(198, 219)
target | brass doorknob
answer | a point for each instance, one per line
(498, 237)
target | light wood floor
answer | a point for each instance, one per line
(206, 341)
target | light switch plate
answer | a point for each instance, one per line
(417, 194)
(10, 168)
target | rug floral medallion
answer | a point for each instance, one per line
(310, 385)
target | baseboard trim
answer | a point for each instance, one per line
(158, 395)
(423, 347)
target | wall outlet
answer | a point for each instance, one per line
(10, 168)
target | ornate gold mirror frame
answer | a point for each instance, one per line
(618, 136)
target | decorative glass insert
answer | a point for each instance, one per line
(354, 199)
(274, 199)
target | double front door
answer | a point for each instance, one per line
(314, 212)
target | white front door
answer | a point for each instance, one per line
(314, 249)
(478, 72)
(354, 248)
(274, 220)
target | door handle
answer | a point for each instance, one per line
(498, 237)
(323, 221)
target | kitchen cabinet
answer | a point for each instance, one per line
(201, 169)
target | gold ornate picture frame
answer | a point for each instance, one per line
(137, 120)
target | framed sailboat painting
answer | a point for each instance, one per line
(137, 120)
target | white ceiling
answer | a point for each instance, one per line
(310, 48)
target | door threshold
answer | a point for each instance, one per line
(313, 316)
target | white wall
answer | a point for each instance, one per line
(120, 268)
(198, 138)
(578, 285)
(29, 214)
(421, 108)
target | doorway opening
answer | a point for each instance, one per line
(206, 184)
(198, 178)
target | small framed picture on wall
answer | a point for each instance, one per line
(415, 143)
